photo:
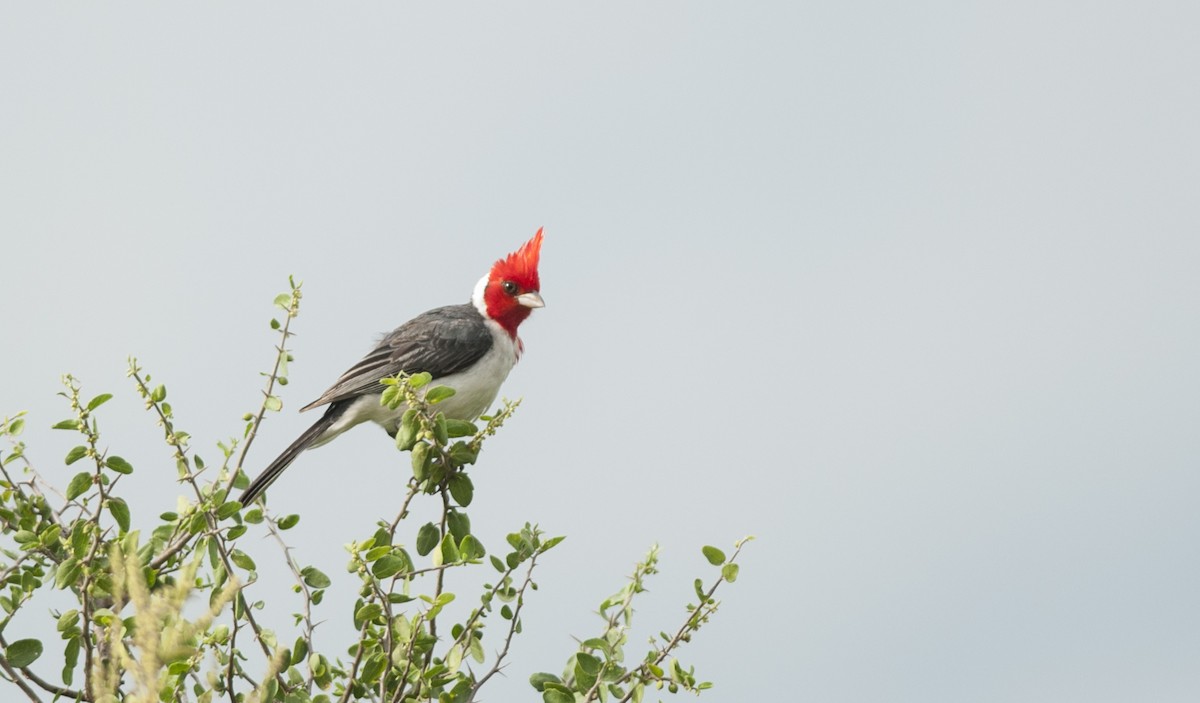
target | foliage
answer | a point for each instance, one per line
(131, 634)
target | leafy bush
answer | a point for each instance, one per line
(130, 635)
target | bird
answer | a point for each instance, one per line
(469, 347)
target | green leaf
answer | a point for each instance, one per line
(439, 430)
(460, 428)
(417, 380)
(79, 485)
(420, 461)
(373, 668)
(242, 560)
(730, 572)
(119, 465)
(273, 403)
(287, 522)
(449, 549)
(72, 424)
(406, 436)
(461, 489)
(459, 524)
(16, 426)
(437, 394)
(228, 509)
(75, 455)
(470, 548)
(587, 662)
(715, 556)
(387, 567)
(120, 512)
(315, 578)
(461, 453)
(427, 538)
(370, 611)
(71, 657)
(376, 553)
(22, 653)
(551, 543)
(497, 564)
(283, 301)
(68, 573)
(159, 394)
(553, 695)
(99, 400)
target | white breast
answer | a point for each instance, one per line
(475, 389)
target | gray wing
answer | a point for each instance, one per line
(439, 342)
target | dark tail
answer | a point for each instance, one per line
(284, 460)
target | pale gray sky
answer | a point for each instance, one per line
(909, 291)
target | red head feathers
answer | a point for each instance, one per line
(512, 288)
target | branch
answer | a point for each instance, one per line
(281, 353)
(512, 630)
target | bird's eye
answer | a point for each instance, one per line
(510, 287)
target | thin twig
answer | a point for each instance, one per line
(280, 356)
(512, 630)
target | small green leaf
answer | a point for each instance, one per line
(99, 400)
(427, 538)
(461, 489)
(120, 512)
(553, 695)
(551, 543)
(242, 560)
(228, 509)
(371, 671)
(68, 573)
(75, 455)
(437, 394)
(417, 380)
(440, 433)
(715, 556)
(159, 394)
(449, 549)
(497, 564)
(587, 662)
(459, 524)
(16, 426)
(287, 522)
(470, 548)
(420, 460)
(376, 553)
(315, 578)
(273, 403)
(79, 485)
(406, 436)
(22, 653)
(388, 566)
(370, 611)
(72, 424)
(460, 428)
(119, 465)
(730, 572)
(283, 301)
(461, 453)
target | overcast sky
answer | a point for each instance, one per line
(910, 291)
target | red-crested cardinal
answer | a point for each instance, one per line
(470, 348)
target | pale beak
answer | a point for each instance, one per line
(532, 299)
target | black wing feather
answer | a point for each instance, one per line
(439, 342)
